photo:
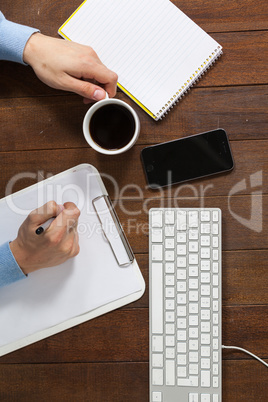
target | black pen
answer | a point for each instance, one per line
(44, 226)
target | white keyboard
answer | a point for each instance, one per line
(185, 305)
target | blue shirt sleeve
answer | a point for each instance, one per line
(9, 269)
(13, 38)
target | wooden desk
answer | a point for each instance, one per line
(106, 360)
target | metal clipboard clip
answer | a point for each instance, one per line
(113, 230)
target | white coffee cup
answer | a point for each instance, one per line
(129, 112)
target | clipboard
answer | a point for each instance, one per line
(103, 277)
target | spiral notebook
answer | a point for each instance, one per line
(156, 50)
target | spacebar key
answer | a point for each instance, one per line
(157, 298)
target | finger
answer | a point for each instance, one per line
(45, 212)
(84, 88)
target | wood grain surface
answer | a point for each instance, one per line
(106, 359)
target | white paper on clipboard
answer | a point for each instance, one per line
(93, 283)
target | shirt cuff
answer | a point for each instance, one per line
(13, 38)
(9, 269)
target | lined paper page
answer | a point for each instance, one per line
(152, 45)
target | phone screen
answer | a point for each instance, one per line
(187, 158)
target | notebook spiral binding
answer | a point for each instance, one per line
(194, 78)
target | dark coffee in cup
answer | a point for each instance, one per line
(112, 126)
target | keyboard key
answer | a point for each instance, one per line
(157, 360)
(193, 259)
(170, 292)
(205, 398)
(193, 320)
(181, 335)
(170, 353)
(157, 396)
(193, 332)
(181, 249)
(205, 228)
(205, 240)
(169, 280)
(193, 397)
(215, 369)
(181, 262)
(215, 229)
(193, 219)
(170, 329)
(205, 351)
(181, 323)
(170, 340)
(215, 382)
(192, 381)
(193, 246)
(157, 252)
(205, 290)
(205, 252)
(205, 277)
(215, 241)
(169, 231)
(169, 255)
(181, 286)
(157, 219)
(181, 347)
(193, 295)
(193, 234)
(170, 316)
(158, 376)
(157, 235)
(181, 311)
(181, 371)
(181, 360)
(181, 274)
(215, 254)
(169, 267)
(193, 369)
(170, 304)
(205, 216)
(193, 271)
(170, 372)
(193, 308)
(157, 297)
(169, 243)
(205, 378)
(205, 302)
(215, 218)
(181, 220)
(157, 343)
(169, 217)
(205, 265)
(205, 363)
(215, 357)
(181, 298)
(181, 237)
(193, 283)
(215, 267)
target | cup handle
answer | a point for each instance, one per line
(106, 96)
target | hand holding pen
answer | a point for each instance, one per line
(47, 237)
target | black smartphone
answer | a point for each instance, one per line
(187, 158)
